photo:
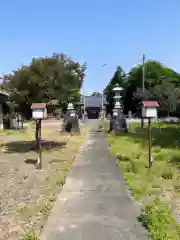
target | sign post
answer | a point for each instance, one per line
(149, 111)
(39, 112)
(38, 140)
(150, 143)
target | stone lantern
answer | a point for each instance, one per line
(71, 120)
(71, 110)
(117, 98)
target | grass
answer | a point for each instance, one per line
(30, 236)
(156, 189)
(158, 219)
(12, 132)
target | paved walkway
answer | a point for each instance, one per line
(93, 203)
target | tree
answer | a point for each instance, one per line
(117, 79)
(56, 77)
(168, 96)
(96, 94)
(160, 84)
(155, 74)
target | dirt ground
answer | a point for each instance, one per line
(26, 193)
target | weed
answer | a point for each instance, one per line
(157, 218)
(59, 179)
(44, 207)
(30, 235)
(168, 174)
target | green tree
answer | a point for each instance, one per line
(56, 77)
(155, 74)
(168, 95)
(117, 79)
(96, 94)
(160, 84)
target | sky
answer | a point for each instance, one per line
(111, 32)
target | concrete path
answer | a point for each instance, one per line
(93, 203)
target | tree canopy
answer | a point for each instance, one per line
(119, 78)
(161, 84)
(55, 77)
(155, 74)
(96, 94)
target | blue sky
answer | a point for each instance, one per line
(115, 32)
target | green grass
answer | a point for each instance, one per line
(59, 179)
(154, 189)
(30, 236)
(12, 132)
(157, 218)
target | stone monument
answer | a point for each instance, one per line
(118, 121)
(71, 122)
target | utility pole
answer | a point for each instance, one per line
(143, 80)
(84, 100)
(143, 72)
(102, 97)
(102, 104)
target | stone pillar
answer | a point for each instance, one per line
(117, 98)
(129, 114)
(102, 112)
(1, 117)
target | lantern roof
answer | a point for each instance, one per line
(117, 88)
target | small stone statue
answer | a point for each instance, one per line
(67, 123)
(75, 124)
(118, 123)
(70, 123)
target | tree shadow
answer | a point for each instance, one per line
(164, 137)
(27, 146)
(175, 160)
(168, 137)
(31, 161)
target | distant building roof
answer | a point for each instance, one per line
(93, 101)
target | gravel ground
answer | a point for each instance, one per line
(14, 174)
(17, 187)
(21, 184)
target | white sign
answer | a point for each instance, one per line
(149, 112)
(39, 113)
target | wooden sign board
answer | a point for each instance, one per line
(149, 109)
(39, 111)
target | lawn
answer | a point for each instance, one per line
(28, 194)
(157, 190)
